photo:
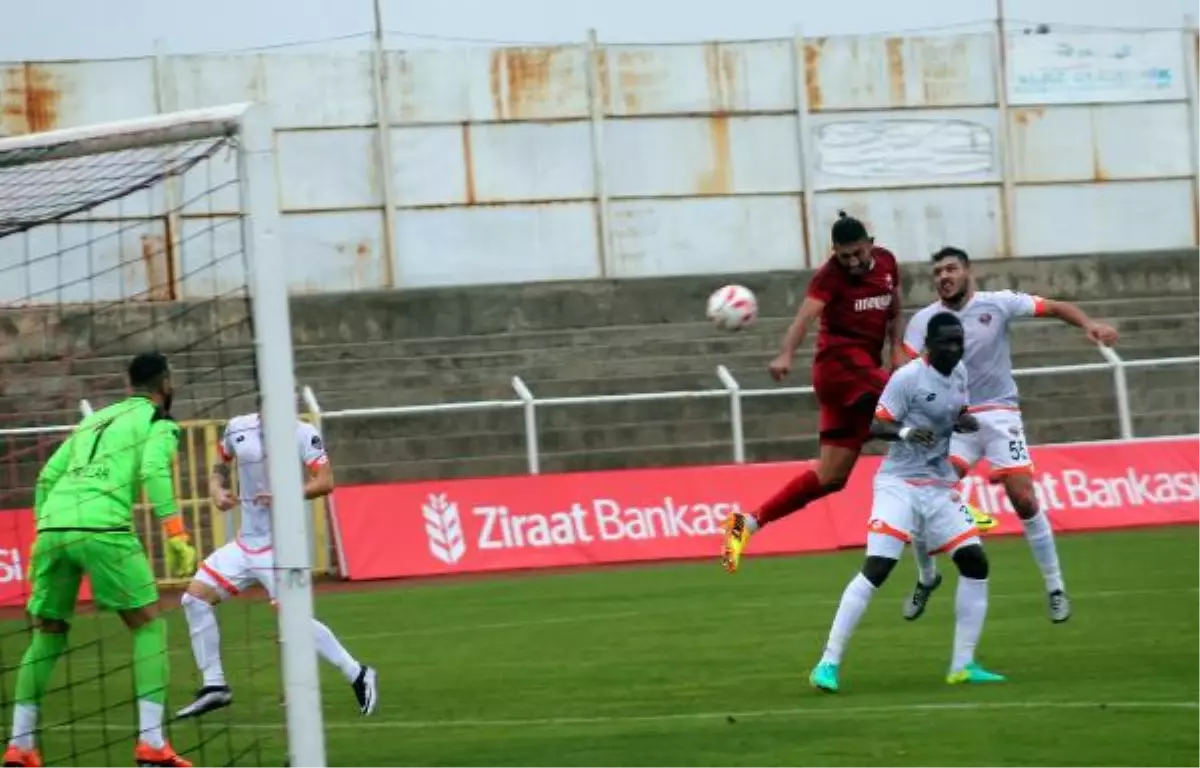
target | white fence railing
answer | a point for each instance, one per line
(530, 404)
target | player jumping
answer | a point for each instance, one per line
(856, 295)
(986, 317)
(922, 405)
(84, 510)
(249, 559)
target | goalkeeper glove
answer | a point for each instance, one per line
(180, 554)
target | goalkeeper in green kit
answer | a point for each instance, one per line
(84, 510)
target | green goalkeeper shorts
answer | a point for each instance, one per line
(115, 563)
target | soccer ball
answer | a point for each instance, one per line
(732, 307)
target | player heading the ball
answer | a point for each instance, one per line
(83, 506)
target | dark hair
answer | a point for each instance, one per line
(847, 230)
(147, 370)
(950, 252)
(941, 320)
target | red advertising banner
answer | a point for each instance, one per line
(506, 523)
(17, 531)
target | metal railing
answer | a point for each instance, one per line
(730, 389)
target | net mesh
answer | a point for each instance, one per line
(104, 256)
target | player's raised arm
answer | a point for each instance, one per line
(810, 309)
(897, 352)
(319, 471)
(1026, 305)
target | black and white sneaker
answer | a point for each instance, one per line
(1060, 606)
(208, 698)
(366, 689)
(914, 606)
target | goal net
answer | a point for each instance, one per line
(152, 235)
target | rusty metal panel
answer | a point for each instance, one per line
(914, 223)
(872, 72)
(706, 78)
(881, 149)
(480, 84)
(715, 155)
(303, 90)
(46, 96)
(429, 165)
(714, 235)
(527, 161)
(336, 251)
(1117, 216)
(328, 169)
(1100, 143)
(211, 260)
(84, 261)
(496, 244)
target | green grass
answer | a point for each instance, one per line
(684, 665)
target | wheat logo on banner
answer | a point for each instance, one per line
(444, 528)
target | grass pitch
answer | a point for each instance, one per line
(685, 665)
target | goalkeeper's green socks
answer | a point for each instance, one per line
(150, 671)
(37, 666)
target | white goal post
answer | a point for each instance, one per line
(248, 129)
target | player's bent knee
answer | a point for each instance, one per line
(50, 626)
(201, 591)
(971, 561)
(876, 569)
(136, 618)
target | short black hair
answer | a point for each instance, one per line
(147, 370)
(847, 230)
(950, 252)
(941, 320)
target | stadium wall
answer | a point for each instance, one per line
(471, 164)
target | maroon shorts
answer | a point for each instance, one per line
(847, 400)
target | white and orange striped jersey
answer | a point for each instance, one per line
(243, 442)
(988, 352)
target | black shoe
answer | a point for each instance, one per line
(915, 605)
(366, 689)
(208, 698)
(1060, 606)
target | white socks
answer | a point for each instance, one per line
(150, 718)
(926, 567)
(25, 720)
(335, 653)
(970, 609)
(854, 604)
(1040, 536)
(206, 639)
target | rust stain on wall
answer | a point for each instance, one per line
(158, 273)
(29, 99)
(718, 179)
(812, 72)
(945, 70)
(636, 79)
(363, 264)
(520, 81)
(1098, 172)
(895, 68)
(468, 164)
(1026, 115)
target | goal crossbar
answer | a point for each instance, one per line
(171, 128)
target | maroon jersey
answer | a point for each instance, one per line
(857, 312)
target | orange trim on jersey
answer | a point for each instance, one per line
(908, 350)
(320, 461)
(224, 454)
(252, 550)
(222, 582)
(991, 408)
(881, 412)
(878, 526)
(959, 539)
(960, 463)
(998, 475)
(1039, 306)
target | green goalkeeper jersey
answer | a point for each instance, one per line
(94, 478)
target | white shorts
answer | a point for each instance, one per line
(1000, 440)
(236, 566)
(935, 513)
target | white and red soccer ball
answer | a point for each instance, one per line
(732, 307)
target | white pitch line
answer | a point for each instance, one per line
(786, 712)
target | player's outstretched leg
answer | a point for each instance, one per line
(855, 599)
(970, 611)
(1040, 536)
(830, 476)
(199, 604)
(363, 679)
